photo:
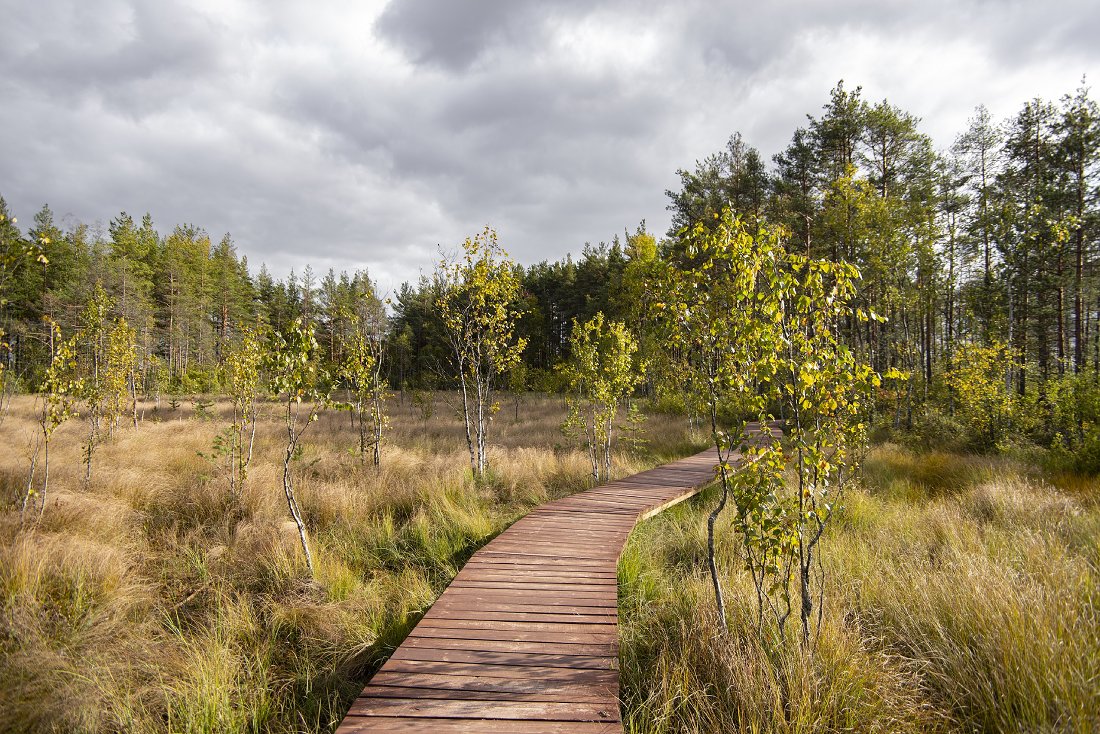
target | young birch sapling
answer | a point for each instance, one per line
(243, 383)
(361, 371)
(121, 363)
(600, 373)
(292, 362)
(105, 361)
(758, 326)
(59, 394)
(477, 303)
(719, 328)
(824, 389)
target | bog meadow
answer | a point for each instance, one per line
(226, 497)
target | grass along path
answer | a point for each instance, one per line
(155, 601)
(963, 595)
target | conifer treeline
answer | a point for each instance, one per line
(990, 244)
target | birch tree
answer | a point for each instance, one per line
(360, 370)
(719, 325)
(601, 372)
(60, 391)
(477, 296)
(92, 363)
(297, 379)
(759, 327)
(243, 382)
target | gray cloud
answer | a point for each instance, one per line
(452, 35)
(352, 137)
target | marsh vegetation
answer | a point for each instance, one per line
(961, 595)
(158, 598)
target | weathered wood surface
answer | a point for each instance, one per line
(525, 639)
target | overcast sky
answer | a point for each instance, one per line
(359, 134)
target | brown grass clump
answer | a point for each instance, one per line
(961, 596)
(155, 600)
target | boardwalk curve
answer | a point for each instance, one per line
(525, 639)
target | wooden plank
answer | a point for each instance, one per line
(456, 603)
(534, 571)
(416, 669)
(496, 624)
(467, 692)
(546, 601)
(490, 658)
(471, 643)
(589, 586)
(525, 638)
(456, 613)
(512, 636)
(405, 725)
(523, 710)
(582, 636)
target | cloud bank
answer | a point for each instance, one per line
(353, 135)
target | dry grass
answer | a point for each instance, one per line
(962, 595)
(963, 592)
(154, 600)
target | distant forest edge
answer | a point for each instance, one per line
(982, 258)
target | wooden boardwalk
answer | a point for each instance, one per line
(525, 639)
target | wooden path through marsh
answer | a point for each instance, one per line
(525, 639)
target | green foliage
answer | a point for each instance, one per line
(360, 372)
(105, 362)
(756, 326)
(518, 384)
(243, 384)
(634, 428)
(197, 380)
(119, 376)
(424, 400)
(154, 379)
(200, 407)
(985, 404)
(478, 306)
(60, 392)
(719, 327)
(602, 371)
(296, 376)
(1073, 420)
(824, 390)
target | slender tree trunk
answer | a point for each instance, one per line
(133, 395)
(1096, 343)
(93, 439)
(377, 424)
(1021, 338)
(45, 474)
(288, 486)
(466, 423)
(607, 446)
(712, 518)
(481, 463)
(251, 438)
(712, 562)
(1078, 302)
(28, 489)
(949, 345)
(593, 433)
(1009, 374)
